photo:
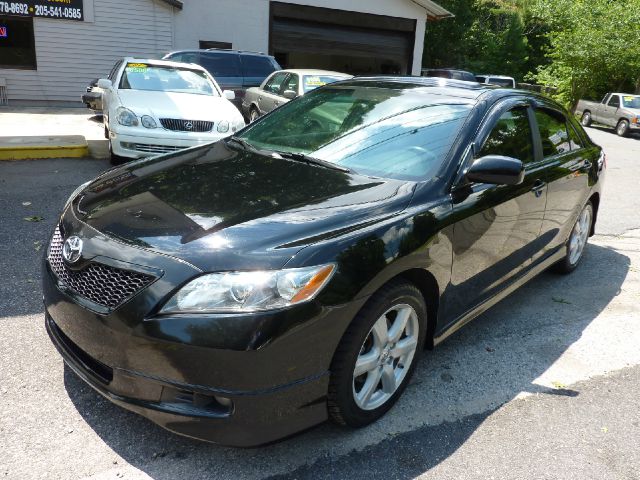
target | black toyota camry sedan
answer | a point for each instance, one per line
(245, 290)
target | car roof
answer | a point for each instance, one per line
(220, 50)
(313, 71)
(447, 88)
(163, 63)
(506, 77)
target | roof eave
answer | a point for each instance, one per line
(434, 11)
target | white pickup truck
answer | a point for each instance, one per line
(619, 110)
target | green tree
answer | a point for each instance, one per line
(594, 47)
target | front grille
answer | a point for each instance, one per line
(99, 283)
(179, 125)
(144, 147)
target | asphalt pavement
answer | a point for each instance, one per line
(544, 385)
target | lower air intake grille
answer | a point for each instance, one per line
(99, 283)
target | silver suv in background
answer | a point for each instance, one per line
(235, 70)
(618, 110)
(499, 80)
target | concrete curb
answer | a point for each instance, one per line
(35, 148)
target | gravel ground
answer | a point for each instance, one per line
(544, 385)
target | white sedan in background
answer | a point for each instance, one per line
(284, 85)
(152, 107)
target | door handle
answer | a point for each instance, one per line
(538, 188)
(276, 103)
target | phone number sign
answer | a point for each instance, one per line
(61, 9)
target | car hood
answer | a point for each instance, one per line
(633, 111)
(222, 209)
(178, 105)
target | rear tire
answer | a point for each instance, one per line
(577, 241)
(622, 129)
(586, 119)
(383, 343)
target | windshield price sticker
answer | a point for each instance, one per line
(314, 82)
(628, 99)
(137, 67)
(62, 9)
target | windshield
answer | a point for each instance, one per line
(379, 131)
(631, 101)
(311, 82)
(141, 76)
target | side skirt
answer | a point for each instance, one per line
(487, 304)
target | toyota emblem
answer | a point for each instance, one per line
(72, 249)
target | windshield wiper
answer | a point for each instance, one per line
(242, 142)
(301, 157)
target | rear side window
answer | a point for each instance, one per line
(553, 132)
(254, 66)
(221, 64)
(511, 137)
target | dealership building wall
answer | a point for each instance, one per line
(344, 34)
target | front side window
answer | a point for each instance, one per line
(382, 132)
(615, 101)
(553, 132)
(142, 76)
(274, 85)
(511, 137)
(17, 44)
(254, 66)
(292, 83)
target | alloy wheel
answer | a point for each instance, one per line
(579, 236)
(385, 357)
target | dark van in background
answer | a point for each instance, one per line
(234, 70)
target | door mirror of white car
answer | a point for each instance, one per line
(105, 84)
(290, 94)
(229, 94)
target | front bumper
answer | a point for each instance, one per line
(138, 146)
(238, 380)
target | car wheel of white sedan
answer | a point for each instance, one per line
(254, 115)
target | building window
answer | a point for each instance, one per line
(204, 44)
(17, 43)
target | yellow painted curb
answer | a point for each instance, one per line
(37, 153)
(35, 148)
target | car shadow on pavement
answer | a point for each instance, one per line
(455, 388)
(633, 135)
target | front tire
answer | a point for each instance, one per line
(622, 129)
(116, 159)
(377, 355)
(577, 241)
(253, 115)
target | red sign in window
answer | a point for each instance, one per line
(3, 32)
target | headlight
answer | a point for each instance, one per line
(148, 122)
(239, 125)
(75, 193)
(249, 291)
(223, 126)
(126, 117)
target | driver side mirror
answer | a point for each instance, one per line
(229, 94)
(497, 170)
(105, 83)
(290, 94)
